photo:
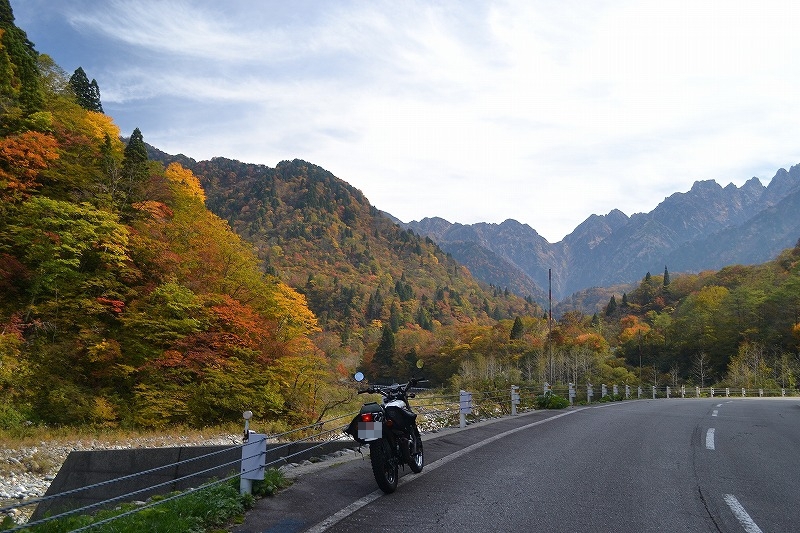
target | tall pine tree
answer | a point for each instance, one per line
(19, 70)
(134, 170)
(517, 329)
(87, 93)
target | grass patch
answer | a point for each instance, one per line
(204, 510)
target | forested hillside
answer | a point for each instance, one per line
(139, 289)
(367, 279)
(692, 329)
(123, 300)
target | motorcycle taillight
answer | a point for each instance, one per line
(367, 417)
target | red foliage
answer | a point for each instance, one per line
(12, 274)
(115, 306)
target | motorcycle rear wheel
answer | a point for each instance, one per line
(417, 458)
(384, 467)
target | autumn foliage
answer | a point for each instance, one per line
(123, 299)
(22, 158)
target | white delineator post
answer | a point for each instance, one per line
(254, 456)
(514, 399)
(464, 407)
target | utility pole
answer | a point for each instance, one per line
(550, 324)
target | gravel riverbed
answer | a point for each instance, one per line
(26, 471)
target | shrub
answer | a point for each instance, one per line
(10, 418)
(551, 401)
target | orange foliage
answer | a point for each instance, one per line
(246, 327)
(593, 341)
(22, 158)
(632, 328)
(158, 210)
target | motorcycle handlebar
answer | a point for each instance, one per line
(382, 390)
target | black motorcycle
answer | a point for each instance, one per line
(391, 431)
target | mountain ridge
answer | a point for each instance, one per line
(615, 248)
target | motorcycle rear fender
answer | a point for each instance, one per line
(364, 432)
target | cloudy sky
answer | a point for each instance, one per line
(474, 111)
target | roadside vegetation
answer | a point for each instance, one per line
(204, 510)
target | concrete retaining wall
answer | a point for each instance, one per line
(85, 468)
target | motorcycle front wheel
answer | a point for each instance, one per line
(417, 458)
(384, 466)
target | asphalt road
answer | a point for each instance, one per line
(726, 465)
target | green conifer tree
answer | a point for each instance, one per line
(87, 93)
(517, 329)
(384, 353)
(19, 72)
(134, 169)
(611, 308)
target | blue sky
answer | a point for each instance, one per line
(474, 111)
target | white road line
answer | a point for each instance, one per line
(741, 515)
(718, 405)
(369, 498)
(715, 413)
(710, 439)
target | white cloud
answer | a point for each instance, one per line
(542, 111)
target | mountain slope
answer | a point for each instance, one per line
(355, 266)
(707, 227)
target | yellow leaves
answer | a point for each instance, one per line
(184, 177)
(103, 413)
(104, 351)
(711, 297)
(294, 316)
(97, 125)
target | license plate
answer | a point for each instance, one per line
(370, 430)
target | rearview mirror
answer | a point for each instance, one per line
(359, 376)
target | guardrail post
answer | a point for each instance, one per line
(254, 456)
(639, 393)
(712, 392)
(697, 391)
(254, 460)
(603, 390)
(727, 392)
(783, 392)
(683, 391)
(743, 393)
(514, 399)
(589, 392)
(760, 393)
(464, 407)
(667, 391)
(571, 393)
(627, 392)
